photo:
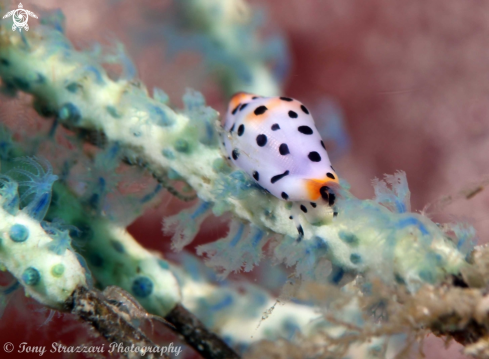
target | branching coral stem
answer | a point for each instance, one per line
(198, 336)
(107, 319)
(105, 316)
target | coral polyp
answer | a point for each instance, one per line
(36, 186)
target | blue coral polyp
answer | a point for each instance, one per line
(31, 276)
(69, 112)
(19, 233)
(142, 287)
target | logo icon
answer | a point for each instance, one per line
(20, 17)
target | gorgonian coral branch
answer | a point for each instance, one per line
(226, 32)
(75, 222)
(26, 251)
(379, 236)
(115, 258)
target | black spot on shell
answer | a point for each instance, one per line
(306, 130)
(243, 106)
(284, 149)
(254, 97)
(303, 108)
(279, 177)
(324, 193)
(235, 109)
(261, 140)
(301, 233)
(303, 208)
(260, 110)
(322, 144)
(335, 214)
(235, 154)
(313, 205)
(314, 156)
(286, 196)
(288, 99)
(330, 175)
(231, 129)
(256, 175)
(275, 127)
(332, 199)
(290, 217)
(293, 114)
(241, 130)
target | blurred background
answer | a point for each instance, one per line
(411, 79)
